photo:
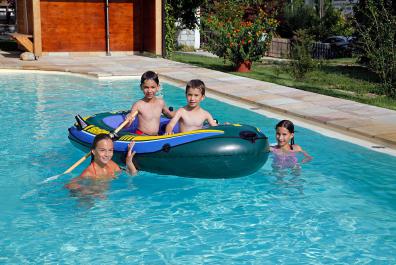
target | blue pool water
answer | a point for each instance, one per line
(340, 210)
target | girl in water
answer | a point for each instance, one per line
(285, 152)
(102, 168)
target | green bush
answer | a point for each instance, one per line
(301, 62)
(170, 31)
(376, 28)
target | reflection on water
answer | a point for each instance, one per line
(287, 171)
(86, 191)
(289, 181)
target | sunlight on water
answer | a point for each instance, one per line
(340, 209)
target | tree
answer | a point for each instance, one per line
(181, 11)
(184, 12)
(376, 34)
(306, 17)
(297, 17)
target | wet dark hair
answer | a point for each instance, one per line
(149, 75)
(289, 126)
(97, 139)
(196, 83)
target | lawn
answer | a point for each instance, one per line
(341, 78)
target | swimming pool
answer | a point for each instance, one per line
(340, 210)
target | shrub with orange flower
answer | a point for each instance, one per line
(232, 36)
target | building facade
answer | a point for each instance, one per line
(91, 25)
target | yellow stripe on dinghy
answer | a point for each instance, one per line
(95, 130)
(128, 138)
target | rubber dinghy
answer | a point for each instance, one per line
(223, 151)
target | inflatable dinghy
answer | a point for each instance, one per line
(224, 151)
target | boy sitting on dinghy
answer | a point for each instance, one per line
(192, 116)
(149, 107)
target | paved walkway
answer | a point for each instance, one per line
(366, 122)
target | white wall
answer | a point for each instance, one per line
(189, 38)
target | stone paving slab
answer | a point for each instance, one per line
(359, 120)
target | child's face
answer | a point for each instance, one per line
(150, 89)
(194, 97)
(103, 151)
(283, 136)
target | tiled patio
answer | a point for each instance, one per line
(366, 122)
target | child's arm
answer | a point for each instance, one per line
(131, 169)
(74, 183)
(210, 119)
(169, 114)
(307, 157)
(172, 122)
(134, 108)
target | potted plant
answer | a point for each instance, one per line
(237, 35)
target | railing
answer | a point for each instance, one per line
(321, 50)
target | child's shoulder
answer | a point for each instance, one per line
(160, 101)
(181, 110)
(88, 172)
(273, 148)
(297, 148)
(139, 102)
(207, 112)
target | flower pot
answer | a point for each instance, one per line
(244, 66)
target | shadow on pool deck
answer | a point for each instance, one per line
(366, 122)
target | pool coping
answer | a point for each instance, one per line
(365, 122)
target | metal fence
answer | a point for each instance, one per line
(321, 50)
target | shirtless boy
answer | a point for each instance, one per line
(149, 107)
(192, 116)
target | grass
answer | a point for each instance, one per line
(341, 78)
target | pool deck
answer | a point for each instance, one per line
(374, 124)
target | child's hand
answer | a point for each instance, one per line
(130, 154)
(168, 133)
(131, 169)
